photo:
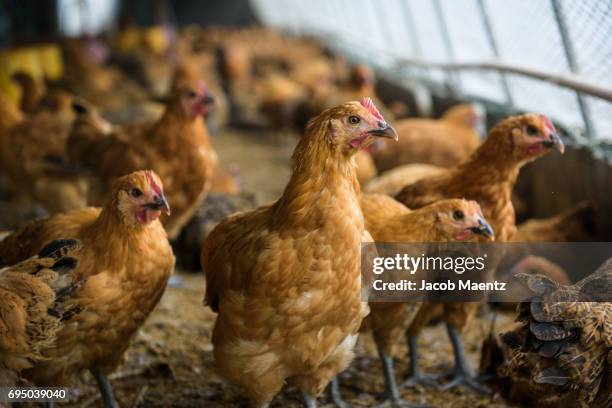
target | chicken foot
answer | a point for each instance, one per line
(462, 375)
(391, 395)
(106, 389)
(416, 376)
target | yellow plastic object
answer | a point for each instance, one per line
(156, 39)
(51, 61)
(40, 61)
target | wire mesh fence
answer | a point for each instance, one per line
(567, 38)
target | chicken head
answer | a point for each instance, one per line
(462, 220)
(356, 125)
(140, 198)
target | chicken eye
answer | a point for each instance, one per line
(532, 130)
(353, 120)
(135, 192)
(192, 94)
(458, 215)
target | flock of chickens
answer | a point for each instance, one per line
(128, 133)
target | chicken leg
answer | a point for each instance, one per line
(416, 376)
(461, 373)
(308, 401)
(391, 396)
(106, 389)
(334, 389)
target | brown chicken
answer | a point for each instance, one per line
(176, 147)
(285, 278)
(360, 84)
(563, 347)
(488, 177)
(32, 91)
(87, 75)
(443, 142)
(391, 182)
(389, 221)
(366, 170)
(280, 97)
(32, 156)
(126, 260)
(202, 66)
(36, 305)
(576, 224)
(10, 115)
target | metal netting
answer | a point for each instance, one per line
(435, 39)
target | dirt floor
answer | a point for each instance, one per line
(170, 363)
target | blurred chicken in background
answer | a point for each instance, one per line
(443, 142)
(176, 146)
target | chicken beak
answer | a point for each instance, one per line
(164, 204)
(160, 204)
(208, 99)
(554, 141)
(384, 130)
(483, 228)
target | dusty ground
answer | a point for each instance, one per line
(170, 362)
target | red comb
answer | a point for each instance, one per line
(369, 105)
(156, 188)
(548, 123)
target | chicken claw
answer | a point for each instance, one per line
(416, 377)
(392, 398)
(461, 372)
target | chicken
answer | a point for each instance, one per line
(32, 91)
(126, 260)
(563, 347)
(30, 152)
(531, 265)
(285, 279)
(10, 115)
(194, 67)
(28, 146)
(176, 147)
(366, 170)
(227, 181)
(576, 224)
(361, 84)
(488, 177)
(392, 181)
(36, 305)
(389, 221)
(279, 100)
(444, 142)
(86, 75)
